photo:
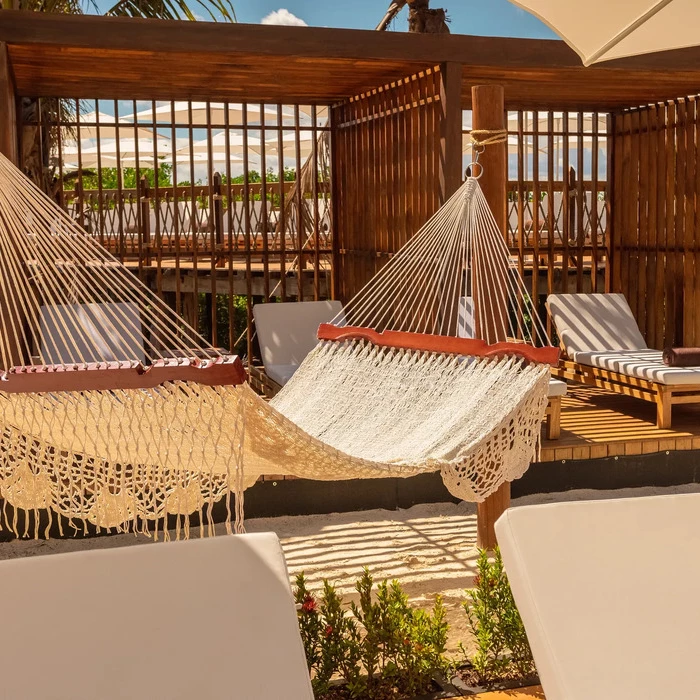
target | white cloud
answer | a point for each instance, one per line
(284, 17)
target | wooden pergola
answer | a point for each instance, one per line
(397, 104)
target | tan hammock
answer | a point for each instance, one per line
(114, 412)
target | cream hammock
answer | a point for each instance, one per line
(115, 412)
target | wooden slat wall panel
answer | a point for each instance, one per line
(656, 241)
(387, 172)
(558, 201)
(207, 218)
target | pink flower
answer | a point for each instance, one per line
(329, 630)
(309, 605)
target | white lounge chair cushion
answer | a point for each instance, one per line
(113, 328)
(643, 364)
(288, 332)
(608, 592)
(206, 619)
(590, 322)
(556, 388)
(280, 373)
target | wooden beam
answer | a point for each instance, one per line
(9, 139)
(152, 36)
(450, 129)
(489, 115)
(127, 58)
(149, 35)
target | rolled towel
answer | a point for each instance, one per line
(682, 357)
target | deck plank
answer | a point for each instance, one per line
(597, 424)
(520, 694)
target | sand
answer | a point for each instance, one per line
(430, 548)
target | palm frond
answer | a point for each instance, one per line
(174, 9)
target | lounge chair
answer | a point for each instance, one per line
(208, 619)
(89, 325)
(607, 591)
(603, 347)
(287, 334)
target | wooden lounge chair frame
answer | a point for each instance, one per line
(553, 418)
(264, 385)
(665, 396)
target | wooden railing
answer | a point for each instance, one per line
(182, 223)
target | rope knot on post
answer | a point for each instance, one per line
(488, 137)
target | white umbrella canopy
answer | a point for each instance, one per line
(119, 153)
(289, 148)
(196, 114)
(179, 112)
(99, 125)
(600, 30)
(220, 145)
(231, 148)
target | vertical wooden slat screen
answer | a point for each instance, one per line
(388, 171)
(216, 206)
(656, 230)
(558, 201)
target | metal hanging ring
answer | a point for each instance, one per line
(472, 165)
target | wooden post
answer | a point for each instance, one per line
(488, 113)
(218, 221)
(336, 195)
(9, 134)
(10, 316)
(218, 211)
(572, 205)
(145, 199)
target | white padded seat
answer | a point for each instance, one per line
(280, 373)
(593, 322)
(287, 333)
(608, 593)
(643, 364)
(556, 388)
(208, 619)
(113, 328)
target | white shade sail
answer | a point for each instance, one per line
(231, 148)
(125, 152)
(99, 125)
(197, 114)
(600, 30)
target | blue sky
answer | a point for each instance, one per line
(485, 17)
(488, 17)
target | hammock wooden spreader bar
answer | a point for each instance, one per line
(426, 342)
(222, 371)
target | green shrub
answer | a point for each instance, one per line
(380, 644)
(502, 646)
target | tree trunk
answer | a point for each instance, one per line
(421, 19)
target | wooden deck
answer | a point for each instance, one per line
(595, 424)
(534, 693)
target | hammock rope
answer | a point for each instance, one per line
(115, 413)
